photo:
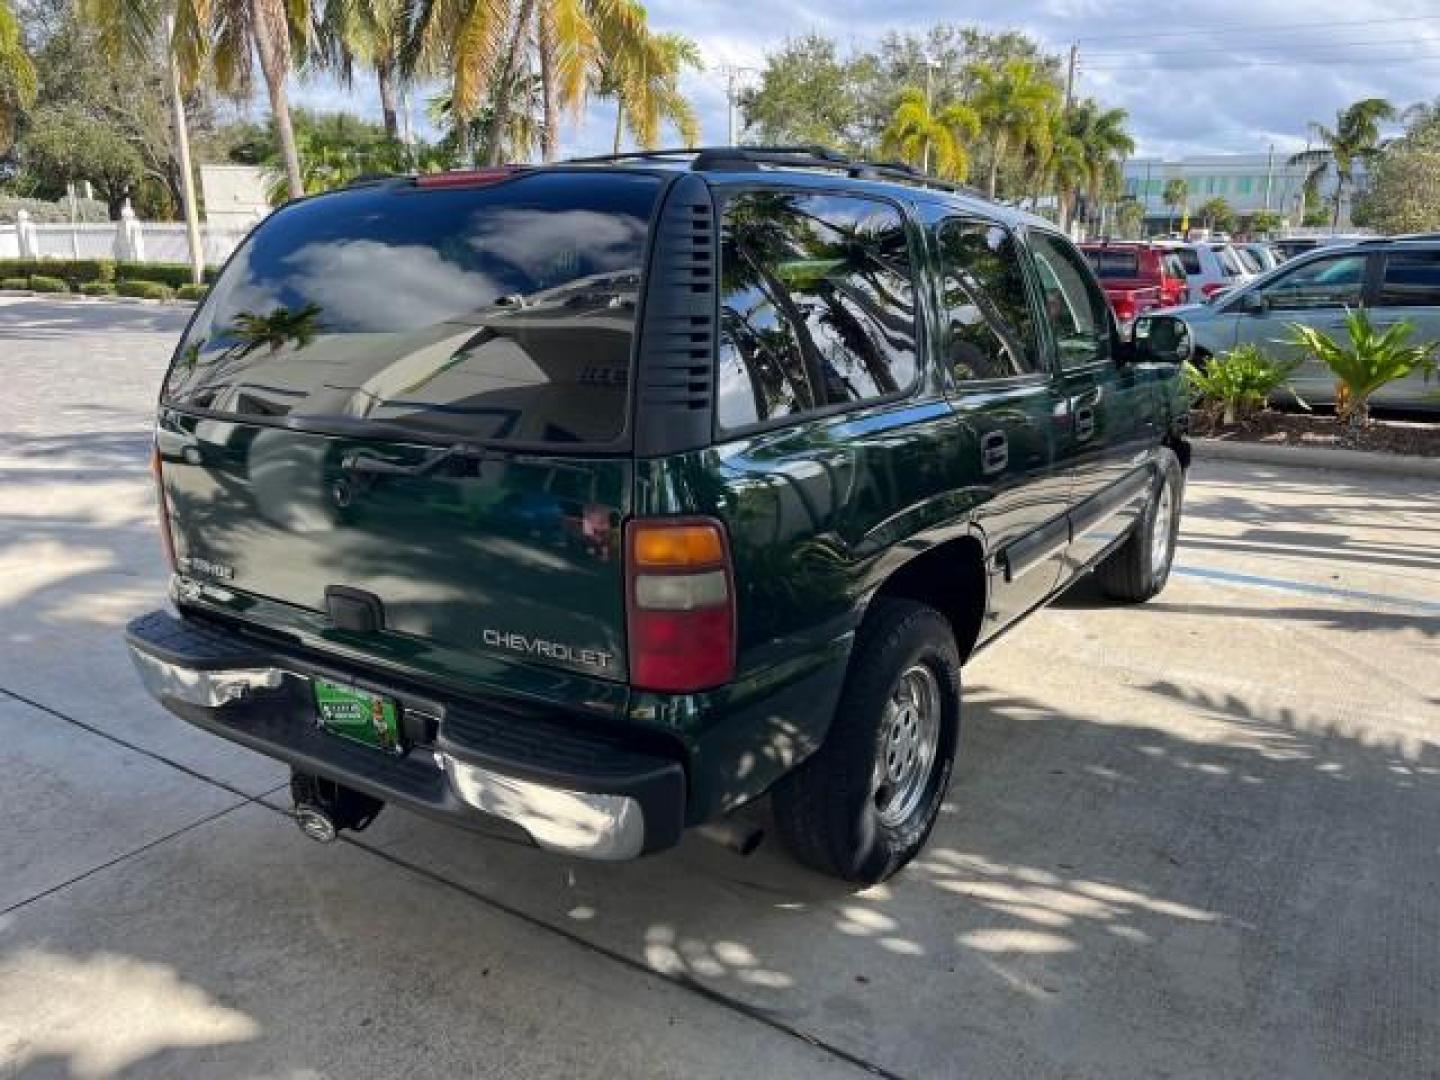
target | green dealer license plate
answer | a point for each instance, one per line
(358, 715)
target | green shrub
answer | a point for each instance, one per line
(145, 290)
(74, 271)
(1234, 386)
(14, 283)
(191, 292)
(171, 274)
(47, 284)
(97, 288)
(1374, 358)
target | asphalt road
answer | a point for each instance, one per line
(1193, 839)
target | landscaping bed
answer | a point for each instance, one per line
(1415, 438)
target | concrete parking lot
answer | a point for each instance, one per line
(1199, 838)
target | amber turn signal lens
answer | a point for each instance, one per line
(677, 546)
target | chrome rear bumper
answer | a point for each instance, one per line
(267, 708)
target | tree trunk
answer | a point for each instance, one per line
(998, 151)
(619, 122)
(503, 103)
(1339, 194)
(389, 98)
(550, 136)
(182, 162)
(274, 62)
(462, 139)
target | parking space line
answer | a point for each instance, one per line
(206, 820)
(700, 990)
(1231, 577)
(161, 758)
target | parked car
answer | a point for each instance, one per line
(1210, 267)
(1265, 257)
(1137, 277)
(605, 497)
(1396, 279)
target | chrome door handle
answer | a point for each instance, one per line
(994, 452)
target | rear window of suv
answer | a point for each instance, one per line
(1114, 264)
(503, 312)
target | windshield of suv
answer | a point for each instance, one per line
(1112, 263)
(495, 312)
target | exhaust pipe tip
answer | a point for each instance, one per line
(738, 836)
(316, 823)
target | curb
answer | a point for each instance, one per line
(1316, 457)
(78, 298)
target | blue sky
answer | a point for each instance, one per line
(1196, 78)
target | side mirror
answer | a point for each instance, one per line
(1161, 339)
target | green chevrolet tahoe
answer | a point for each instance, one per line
(606, 497)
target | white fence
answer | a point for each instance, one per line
(163, 241)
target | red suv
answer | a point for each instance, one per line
(1137, 277)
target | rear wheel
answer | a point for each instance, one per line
(1140, 567)
(862, 805)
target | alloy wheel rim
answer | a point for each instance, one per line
(1164, 526)
(909, 742)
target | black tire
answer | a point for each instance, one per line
(1131, 573)
(828, 811)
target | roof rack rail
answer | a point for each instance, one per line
(795, 156)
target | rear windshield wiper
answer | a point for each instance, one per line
(372, 465)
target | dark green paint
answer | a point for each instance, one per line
(820, 513)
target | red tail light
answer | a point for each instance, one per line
(1212, 288)
(165, 538)
(680, 604)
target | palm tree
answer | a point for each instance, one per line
(372, 32)
(1355, 138)
(132, 29)
(919, 135)
(484, 44)
(1058, 163)
(1103, 142)
(17, 75)
(573, 38)
(1013, 101)
(645, 83)
(1177, 194)
(223, 34)
(520, 139)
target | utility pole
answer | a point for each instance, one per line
(1070, 76)
(730, 74)
(182, 151)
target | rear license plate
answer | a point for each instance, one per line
(358, 715)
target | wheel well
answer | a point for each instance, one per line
(950, 577)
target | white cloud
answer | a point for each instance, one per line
(1230, 75)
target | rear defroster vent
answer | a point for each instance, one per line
(676, 377)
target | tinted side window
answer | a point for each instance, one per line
(1075, 308)
(1174, 267)
(1189, 260)
(990, 329)
(817, 305)
(1114, 264)
(1412, 279)
(1335, 281)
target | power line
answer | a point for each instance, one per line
(1248, 47)
(1202, 31)
(1241, 62)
